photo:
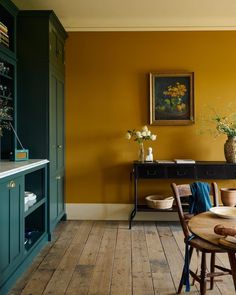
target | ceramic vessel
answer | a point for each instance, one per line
(228, 196)
(141, 152)
(230, 149)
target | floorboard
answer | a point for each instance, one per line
(106, 258)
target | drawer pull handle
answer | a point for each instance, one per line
(11, 184)
(59, 146)
(151, 173)
(58, 177)
(210, 173)
(181, 173)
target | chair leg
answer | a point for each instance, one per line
(183, 273)
(181, 282)
(197, 251)
(203, 275)
(213, 258)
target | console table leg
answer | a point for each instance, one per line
(133, 213)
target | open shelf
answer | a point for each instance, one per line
(7, 94)
(34, 207)
(34, 226)
(7, 29)
(35, 215)
(145, 208)
(34, 183)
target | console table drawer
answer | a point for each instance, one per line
(181, 171)
(151, 172)
(211, 172)
(230, 172)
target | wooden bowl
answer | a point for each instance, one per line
(159, 202)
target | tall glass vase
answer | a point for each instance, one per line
(141, 152)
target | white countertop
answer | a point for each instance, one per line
(8, 168)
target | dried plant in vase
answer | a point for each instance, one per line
(5, 116)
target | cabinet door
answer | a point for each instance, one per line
(60, 124)
(53, 124)
(11, 225)
(56, 48)
(56, 123)
(56, 199)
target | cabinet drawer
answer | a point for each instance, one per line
(150, 172)
(230, 172)
(211, 172)
(181, 171)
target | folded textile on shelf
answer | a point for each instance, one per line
(30, 199)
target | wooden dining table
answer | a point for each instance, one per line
(202, 225)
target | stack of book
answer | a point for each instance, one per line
(4, 37)
(184, 161)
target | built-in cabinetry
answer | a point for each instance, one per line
(40, 104)
(23, 220)
(8, 64)
(11, 225)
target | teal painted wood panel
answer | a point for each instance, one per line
(11, 226)
(60, 201)
(53, 124)
(56, 47)
(4, 229)
(53, 200)
(60, 124)
(16, 218)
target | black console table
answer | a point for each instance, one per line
(196, 171)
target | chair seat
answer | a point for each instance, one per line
(205, 246)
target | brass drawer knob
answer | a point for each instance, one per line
(11, 184)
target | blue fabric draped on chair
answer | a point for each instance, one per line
(199, 201)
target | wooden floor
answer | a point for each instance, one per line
(89, 257)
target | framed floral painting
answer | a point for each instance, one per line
(171, 98)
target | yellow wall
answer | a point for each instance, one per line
(107, 93)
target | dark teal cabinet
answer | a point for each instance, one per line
(41, 98)
(11, 225)
(23, 226)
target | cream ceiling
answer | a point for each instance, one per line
(139, 15)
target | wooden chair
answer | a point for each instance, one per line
(196, 243)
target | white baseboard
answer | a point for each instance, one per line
(113, 212)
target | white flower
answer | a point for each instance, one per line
(144, 133)
(138, 134)
(153, 137)
(128, 135)
(144, 128)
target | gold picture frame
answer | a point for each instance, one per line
(171, 98)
